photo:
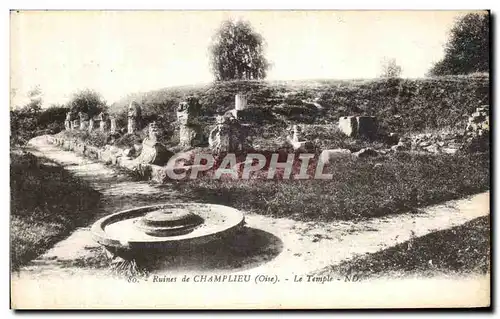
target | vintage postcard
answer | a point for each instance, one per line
(249, 159)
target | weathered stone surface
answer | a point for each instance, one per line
(477, 132)
(297, 133)
(327, 156)
(84, 125)
(297, 141)
(392, 139)
(240, 104)
(190, 130)
(91, 125)
(359, 126)
(450, 150)
(188, 111)
(103, 120)
(367, 126)
(84, 120)
(399, 147)
(129, 152)
(152, 151)
(366, 152)
(138, 148)
(227, 135)
(191, 135)
(134, 117)
(67, 122)
(303, 146)
(113, 128)
(75, 124)
(348, 125)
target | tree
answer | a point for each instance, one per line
(467, 49)
(35, 104)
(87, 101)
(23, 120)
(390, 69)
(52, 117)
(237, 52)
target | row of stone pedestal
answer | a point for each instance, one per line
(228, 135)
(84, 123)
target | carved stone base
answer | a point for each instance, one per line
(227, 137)
(154, 153)
(190, 136)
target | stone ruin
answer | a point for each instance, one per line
(359, 126)
(112, 123)
(240, 104)
(190, 130)
(91, 125)
(297, 133)
(153, 152)
(103, 119)
(297, 140)
(228, 135)
(478, 123)
(134, 117)
(84, 120)
(75, 124)
(475, 137)
(67, 121)
(477, 131)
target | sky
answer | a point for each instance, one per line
(121, 52)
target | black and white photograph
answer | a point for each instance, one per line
(259, 159)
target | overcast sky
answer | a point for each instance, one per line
(121, 52)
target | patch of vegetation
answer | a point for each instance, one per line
(46, 205)
(96, 138)
(461, 249)
(401, 105)
(359, 188)
(30, 121)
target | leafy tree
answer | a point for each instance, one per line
(237, 52)
(390, 69)
(53, 116)
(87, 101)
(467, 49)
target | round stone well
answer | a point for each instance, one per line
(159, 228)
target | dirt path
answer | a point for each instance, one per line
(267, 245)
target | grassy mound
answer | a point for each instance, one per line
(46, 205)
(401, 105)
(461, 249)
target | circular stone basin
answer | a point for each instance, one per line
(169, 225)
(169, 222)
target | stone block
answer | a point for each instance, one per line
(190, 135)
(228, 135)
(367, 126)
(366, 152)
(240, 102)
(328, 156)
(348, 125)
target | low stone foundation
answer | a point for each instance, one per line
(113, 155)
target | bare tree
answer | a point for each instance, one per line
(390, 69)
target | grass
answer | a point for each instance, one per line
(359, 188)
(46, 205)
(401, 105)
(461, 249)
